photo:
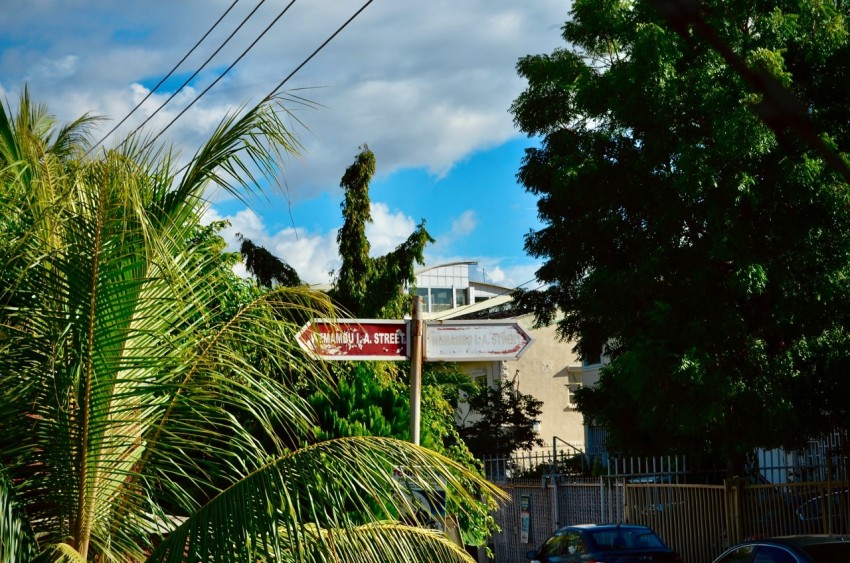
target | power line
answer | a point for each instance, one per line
(166, 77)
(206, 62)
(220, 76)
(279, 85)
(319, 48)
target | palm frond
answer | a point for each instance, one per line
(242, 146)
(33, 129)
(380, 542)
(17, 542)
(59, 553)
(74, 139)
(9, 149)
(294, 504)
(107, 318)
(140, 381)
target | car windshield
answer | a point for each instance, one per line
(556, 545)
(829, 552)
(607, 540)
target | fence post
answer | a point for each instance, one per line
(734, 506)
(556, 509)
(554, 455)
(828, 500)
(602, 499)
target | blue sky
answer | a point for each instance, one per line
(475, 211)
(427, 85)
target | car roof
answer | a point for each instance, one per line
(602, 527)
(804, 540)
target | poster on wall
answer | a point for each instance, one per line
(524, 518)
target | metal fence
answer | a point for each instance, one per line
(690, 518)
(530, 467)
(697, 514)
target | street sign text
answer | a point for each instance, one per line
(459, 341)
(355, 339)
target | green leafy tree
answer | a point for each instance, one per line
(378, 287)
(371, 399)
(267, 269)
(502, 420)
(365, 286)
(362, 404)
(118, 360)
(689, 231)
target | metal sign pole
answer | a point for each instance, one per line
(415, 369)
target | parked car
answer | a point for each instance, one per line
(790, 549)
(604, 543)
(812, 512)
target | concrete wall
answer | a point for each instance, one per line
(545, 371)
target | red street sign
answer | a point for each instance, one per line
(468, 341)
(355, 339)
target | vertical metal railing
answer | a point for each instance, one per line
(690, 518)
(698, 520)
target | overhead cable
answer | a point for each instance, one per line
(206, 62)
(279, 85)
(166, 77)
(220, 76)
(319, 48)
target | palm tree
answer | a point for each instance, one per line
(135, 424)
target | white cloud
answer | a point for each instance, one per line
(54, 69)
(461, 227)
(465, 224)
(425, 84)
(496, 275)
(387, 230)
(313, 255)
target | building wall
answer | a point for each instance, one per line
(549, 370)
(483, 373)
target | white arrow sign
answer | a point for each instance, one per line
(469, 341)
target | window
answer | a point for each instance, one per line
(574, 543)
(461, 297)
(771, 554)
(740, 555)
(563, 544)
(592, 359)
(556, 545)
(643, 540)
(638, 538)
(426, 302)
(574, 383)
(479, 376)
(607, 540)
(441, 299)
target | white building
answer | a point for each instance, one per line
(548, 370)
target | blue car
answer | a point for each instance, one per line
(602, 543)
(790, 549)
